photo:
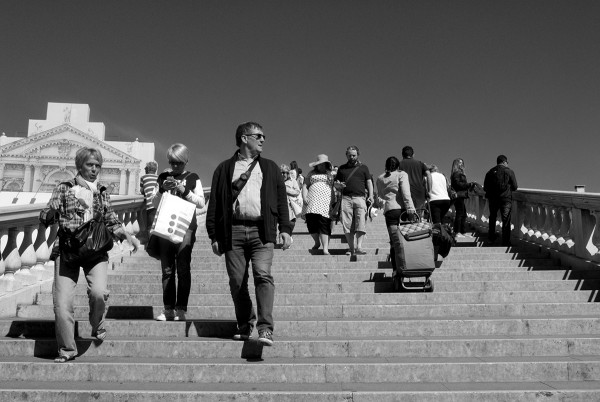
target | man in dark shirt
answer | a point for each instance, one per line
(499, 183)
(353, 179)
(419, 177)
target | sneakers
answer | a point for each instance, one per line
(166, 315)
(265, 337)
(243, 334)
(179, 315)
(360, 251)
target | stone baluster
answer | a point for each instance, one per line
(529, 219)
(12, 260)
(28, 256)
(42, 252)
(564, 240)
(135, 224)
(535, 221)
(520, 219)
(593, 245)
(548, 222)
(555, 228)
(3, 240)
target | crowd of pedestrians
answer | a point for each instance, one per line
(254, 204)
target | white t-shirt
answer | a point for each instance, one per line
(439, 187)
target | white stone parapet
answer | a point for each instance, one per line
(567, 222)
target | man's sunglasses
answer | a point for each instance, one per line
(257, 136)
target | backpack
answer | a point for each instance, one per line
(498, 182)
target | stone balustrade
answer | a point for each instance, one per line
(566, 222)
(25, 244)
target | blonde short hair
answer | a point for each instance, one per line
(178, 153)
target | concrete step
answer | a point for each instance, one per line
(306, 371)
(346, 298)
(321, 262)
(324, 312)
(42, 391)
(334, 327)
(335, 275)
(285, 347)
(219, 284)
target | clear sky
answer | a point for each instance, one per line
(464, 78)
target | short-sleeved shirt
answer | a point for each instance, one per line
(416, 171)
(357, 185)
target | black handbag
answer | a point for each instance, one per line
(89, 241)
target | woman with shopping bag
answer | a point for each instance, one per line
(174, 241)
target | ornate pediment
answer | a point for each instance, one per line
(62, 143)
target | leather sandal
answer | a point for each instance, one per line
(63, 359)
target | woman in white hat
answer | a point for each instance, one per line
(317, 193)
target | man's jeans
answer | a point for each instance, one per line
(63, 293)
(505, 208)
(247, 247)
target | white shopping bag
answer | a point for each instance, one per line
(173, 218)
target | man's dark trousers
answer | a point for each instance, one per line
(505, 208)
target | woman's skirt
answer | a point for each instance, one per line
(318, 224)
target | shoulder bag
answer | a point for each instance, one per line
(88, 241)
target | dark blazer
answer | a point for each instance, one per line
(274, 203)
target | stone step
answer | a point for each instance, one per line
(335, 327)
(306, 371)
(325, 312)
(372, 262)
(363, 275)
(38, 391)
(345, 298)
(219, 284)
(214, 348)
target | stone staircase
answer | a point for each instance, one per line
(502, 325)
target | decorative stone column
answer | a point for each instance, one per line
(1, 176)
(37, 170)
(27, 178)
(123, 182)
(131, 186)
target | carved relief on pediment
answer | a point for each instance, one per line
(64, 148)
(14, 166)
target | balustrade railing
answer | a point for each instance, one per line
(564, 221)
(25, 244)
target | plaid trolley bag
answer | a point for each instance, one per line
(414, 253)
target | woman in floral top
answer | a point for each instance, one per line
(317, 194)
(73, 203)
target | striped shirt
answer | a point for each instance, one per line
(149, 187)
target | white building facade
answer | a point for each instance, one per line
(46, 157)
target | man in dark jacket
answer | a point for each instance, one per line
(247, 201)
(499, 183)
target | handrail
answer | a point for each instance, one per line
(565, 222)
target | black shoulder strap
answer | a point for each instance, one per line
(243, 182)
